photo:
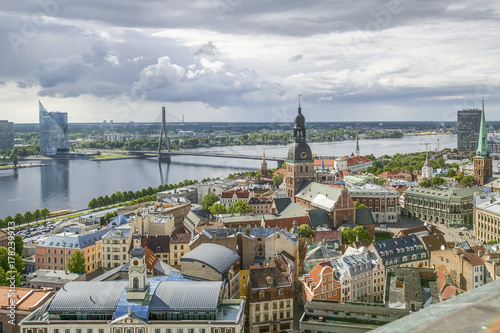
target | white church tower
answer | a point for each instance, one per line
(137, 273)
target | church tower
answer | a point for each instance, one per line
(483, 168)
(263, 166)
(427, 169)
(137, 283)
(299, 162)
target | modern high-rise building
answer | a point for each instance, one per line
(6, 134)
(53, 132)
(468, 122)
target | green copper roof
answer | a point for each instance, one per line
(482, 145)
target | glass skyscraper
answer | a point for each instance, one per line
(468, 122)
(53, 132)
(6, 134)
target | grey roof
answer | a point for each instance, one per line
(73, 241)
(322, 252)
(231, 232)
(294, 210)
(52, 276)
(361, 262)
(473, 311)
(121, 232)
(193, 220)
(281, 204)
(186, 296)
(364, 216)
(216, 256)
(79, 296)
(319, 218)
(411, 245)
(309, 190)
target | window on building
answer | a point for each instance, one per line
(157, 330)
(67, 330)
(447, 260)
(89, 330)
(56, 330)
(257, 307)
(129, 330)
(117, 330)
(101, 330)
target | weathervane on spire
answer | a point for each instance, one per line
(299, 99)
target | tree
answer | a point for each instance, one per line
(218, 208)
(5, 269)
(451, 173)
(425, 182)
(19, 219)
(28, 217)
(8, 219)
(240, 206)
(468, 180)
(93, 204)
(305, 231)
(492, 241)
(109, 216)
(15, 160)
(19, 244)
(360, 205)
(44, 213)
(437, 181)
(76, 262)
(36, 214)
(349, 235)
(208, 200)
(278, 179)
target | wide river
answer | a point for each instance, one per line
(70, 184)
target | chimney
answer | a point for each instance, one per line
(214, 234)
(247, 230)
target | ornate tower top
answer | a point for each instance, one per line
(299, 131)
(482, 145)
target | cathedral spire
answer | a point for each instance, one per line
(482, 145)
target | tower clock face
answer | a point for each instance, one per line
(303, 155)
(136, 262)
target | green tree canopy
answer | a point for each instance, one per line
(240, 206)
(425, 182)
(437, 181)
(19, 244)
(278, 179)
(208, 200)
(44, 213)
(218, 208)
(36, 214)
(305, 231)
(76, 262)
(468, 180)
(451, 173)
(19, 219)
(5, 270)
(349, 235)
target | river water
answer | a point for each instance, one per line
(71, 184)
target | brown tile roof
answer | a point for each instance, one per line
(434, 242)
(258, 277)
(157, 244)
(451, 291)
(26, 299)
(180, 238)
(357, 160)
(471, 257)
(239, 193)
(282, 171)
(315, 273)
(318, 162)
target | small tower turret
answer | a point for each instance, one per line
(137, 273)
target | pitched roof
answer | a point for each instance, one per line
(281, 204)
(258, 278)
(434, 242)
(388, 248)
(364, 216)
(319, 218)
(310, 190)
(319, 162)
(357, 160)
(157, 244)
(73, 241)
(239, 193)
(180, 238)
(327, 235)
(27, 299)
(218, 257)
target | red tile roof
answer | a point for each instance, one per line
(239, 193)
(327, 235)
(357, 160)
(27, 299)
(282, 171)
(329, 163)
(315, 273)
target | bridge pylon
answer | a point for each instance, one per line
(162, 157)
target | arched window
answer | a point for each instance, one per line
(136, 283)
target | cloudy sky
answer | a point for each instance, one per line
(242, 60)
